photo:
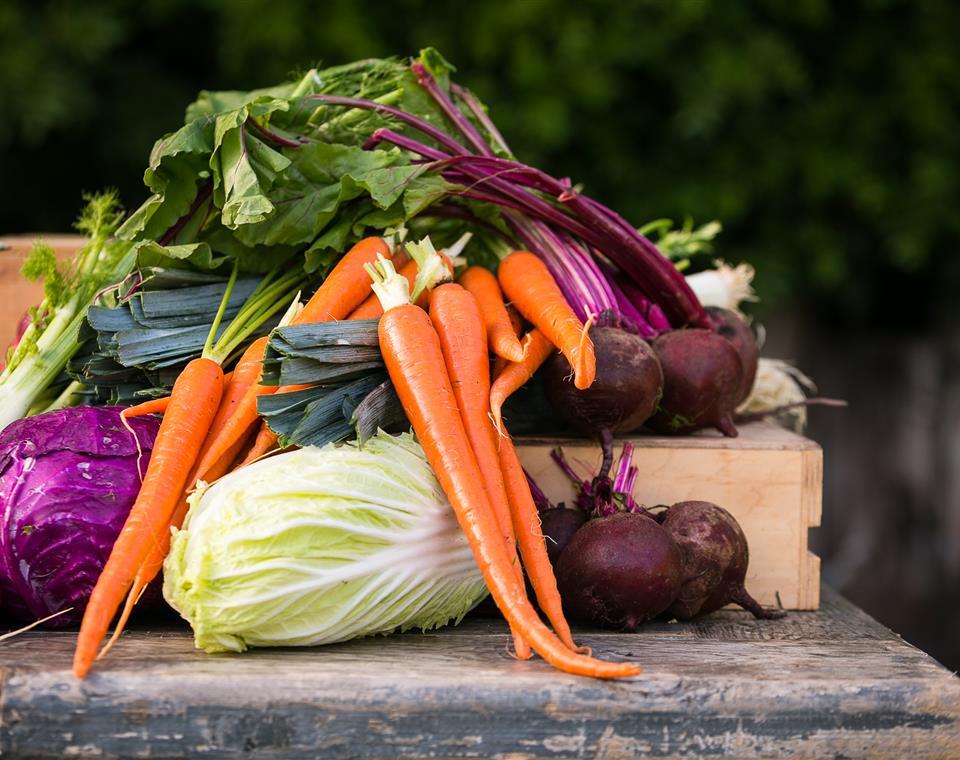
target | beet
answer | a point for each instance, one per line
(715, 558)
(624, 394)
(738, 333)
(702, 378)
(619, 571)
(558, 526)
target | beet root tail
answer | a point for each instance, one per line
(750, 604)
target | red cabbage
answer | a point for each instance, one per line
(67, 481)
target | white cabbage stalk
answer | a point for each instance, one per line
(779, 383)
(725, 286)
(321, 545)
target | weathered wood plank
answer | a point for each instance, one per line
(832, 682)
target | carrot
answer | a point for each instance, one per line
(347, 286)
(516, 322)
(456, 316)
(153, 406)
(159, 405)
(531, 288)
(501, 334)
(265, 442)
(245, 376)
(193, 405)
(536, 350)
(414, 360)
(526, 523)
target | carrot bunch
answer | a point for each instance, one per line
(439, 367)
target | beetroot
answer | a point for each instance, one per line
(702, 378)
(732, 326)
(715, 557)
(624, 394)
(558, 526)
(619, 571)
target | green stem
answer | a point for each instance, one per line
(355, 115)
(66, 398)
(211, 336)
(251, 324)
(250, 312)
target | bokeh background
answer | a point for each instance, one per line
(824, 136)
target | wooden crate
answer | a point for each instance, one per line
(769, 478)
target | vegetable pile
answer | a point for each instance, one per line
(329, 261)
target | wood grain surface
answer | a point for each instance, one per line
(769, 478)
(828, 683)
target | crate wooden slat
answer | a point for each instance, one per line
(832, 683)
(16, 293)
(769, 478)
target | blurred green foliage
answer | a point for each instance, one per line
(824, 135)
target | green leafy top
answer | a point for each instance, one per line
(258, 177)
(685, 242)
(41, 264)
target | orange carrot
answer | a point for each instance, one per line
(501, 334)
(347, 286)
(414, 360)
(193, 405)
(456, 316)
(265, 442)
(536, 350)
(526, 523)
(516, 322)
(245, 376)
(153, 406)
(531, 288)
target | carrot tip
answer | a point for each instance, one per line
(129, 427)
(585, 370)
(497, 419)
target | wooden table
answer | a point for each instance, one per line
(829, 683)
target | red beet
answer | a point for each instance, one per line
(619, 571)
(732, 326)
(702, 377)
(715, 558)
(624, 394)
(558, 526)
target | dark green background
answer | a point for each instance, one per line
(825, 136)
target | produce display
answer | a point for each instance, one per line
(321, 268)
